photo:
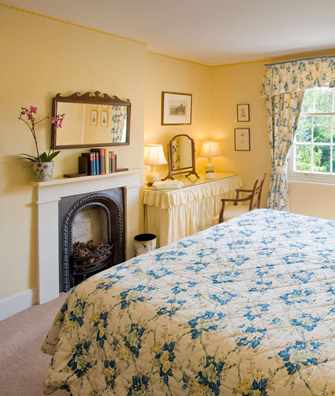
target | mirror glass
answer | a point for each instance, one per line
(181, 156)
(100, 123)
(181, 153)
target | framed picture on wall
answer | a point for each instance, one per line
(176, 108)
(242, 139)
(94, 117)
(104, 118)
(243, 113)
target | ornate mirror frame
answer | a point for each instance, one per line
(181, 171)
(97, 98)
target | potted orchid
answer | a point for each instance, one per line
(42, 162)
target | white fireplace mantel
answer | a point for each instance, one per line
(48, 195)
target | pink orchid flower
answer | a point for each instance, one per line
(27, 115)
(57, 121)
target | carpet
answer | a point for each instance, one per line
(23, 366)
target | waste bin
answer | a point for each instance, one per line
(144, 243)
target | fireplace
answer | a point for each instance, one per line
(91, 235)
(47, 197)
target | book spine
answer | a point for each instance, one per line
(92, 164)
(115, 162)
(88, 162)
(106, 161)
(80, 164)
(102, 162)
(87, 157)
(97, 163)
(112, 162)
(83, 165)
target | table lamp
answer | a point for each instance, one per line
(154, 156)
(210, 149)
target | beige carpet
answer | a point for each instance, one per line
(22, 364)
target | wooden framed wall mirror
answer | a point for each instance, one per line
(181, 156)
(92, 119)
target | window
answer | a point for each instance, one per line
(314, 142)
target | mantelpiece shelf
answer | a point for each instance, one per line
(67, 180)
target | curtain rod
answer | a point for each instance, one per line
(299, 59)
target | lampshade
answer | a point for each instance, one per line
(210, 149)
(154, 155)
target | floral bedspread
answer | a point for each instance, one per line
(243, 308)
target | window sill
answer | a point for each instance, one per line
(311, 178)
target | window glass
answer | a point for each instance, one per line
(305, 129)
(322, 129)
(314, 142)
(321, 158)
(303, 157)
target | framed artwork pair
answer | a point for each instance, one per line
(242, 135)
(99, 117)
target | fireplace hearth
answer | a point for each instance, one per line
(92, 236)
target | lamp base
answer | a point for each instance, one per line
(210, 171)
(210, 175)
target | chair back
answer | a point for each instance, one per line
(257, 193)
(252, 195)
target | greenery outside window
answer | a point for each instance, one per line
(313, 151)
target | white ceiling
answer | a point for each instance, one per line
(207, 31)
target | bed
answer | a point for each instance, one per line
(244, 308)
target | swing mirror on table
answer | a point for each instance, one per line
(181, 151)
(94, 119)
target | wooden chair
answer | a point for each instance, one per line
(248, 203)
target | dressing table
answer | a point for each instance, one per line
(175, 213)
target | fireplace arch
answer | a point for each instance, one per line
(111, 204)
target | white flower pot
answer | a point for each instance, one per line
(43, 171)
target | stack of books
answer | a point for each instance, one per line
(97, 162)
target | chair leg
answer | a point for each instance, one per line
(221, 219)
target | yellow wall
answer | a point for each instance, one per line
(39, 58)
(169, 74)
(241, 84)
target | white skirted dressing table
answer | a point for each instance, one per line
(175, 214)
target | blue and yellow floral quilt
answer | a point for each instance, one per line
(243, 308)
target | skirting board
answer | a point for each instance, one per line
(16, 303)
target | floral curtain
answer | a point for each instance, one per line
(283, 115)
(284, 88)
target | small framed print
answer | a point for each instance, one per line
(104, 118)
(242, 139)
(176, 108)
(243, 113)
(94, 117)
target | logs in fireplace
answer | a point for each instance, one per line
(90, 258)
